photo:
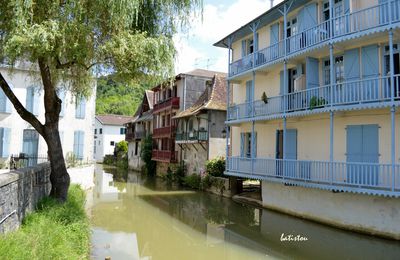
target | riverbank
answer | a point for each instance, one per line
(53, 231)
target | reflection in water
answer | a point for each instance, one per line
(146, 219)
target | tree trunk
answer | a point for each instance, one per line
(59, 177)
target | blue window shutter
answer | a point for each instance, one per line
(310, 16)
(282, 84)
(83, 107)
(6, 142)
(80, 107)
(81, 143)
(274, 35)
(8, 102)
(243, 48)
(3, 101)
(29, 99)
(351, 64)
(35, 100)
(370, 61)
(242, 144)
(346, 6)
(255, 145)
(300, 19)
(76, 143)
(370, 144)
(312, 75)
(1, 141)
(249, 97)
(291, 146)
(354, 144)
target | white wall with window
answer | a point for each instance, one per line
(107, 134)
(18, 136)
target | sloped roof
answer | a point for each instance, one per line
(146, 116)
(204, 73)
(215, 101)
(114, 119)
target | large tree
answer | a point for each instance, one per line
(66, 40)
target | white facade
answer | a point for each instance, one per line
(106, 138)
(20, 81)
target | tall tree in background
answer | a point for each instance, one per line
(66, 40)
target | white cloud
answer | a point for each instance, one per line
(196, 50)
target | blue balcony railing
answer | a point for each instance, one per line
(372, 178)
(355, 22)
(357, 92)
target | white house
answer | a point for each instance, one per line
(109, 130)
(17, 136)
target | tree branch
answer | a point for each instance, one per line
(66, 65)
(21, 110)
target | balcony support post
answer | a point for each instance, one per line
(228, 95)
(285, 85)
(331, 129)
(331, 18)
(393, 144)
(331, 72)
(391, 60)
(253, 28)
(253, 151)
(284, 146)
(285, 29)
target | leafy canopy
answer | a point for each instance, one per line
(131, 38)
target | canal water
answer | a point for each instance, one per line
(134, 217)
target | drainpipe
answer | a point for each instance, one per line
(227, 104)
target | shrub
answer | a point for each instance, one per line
(216, 167)
(147, 153)
(192, 181)
(180, 173)
(109, 159)
(122, 147)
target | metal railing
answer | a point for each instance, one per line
(373, 177)
(172, 102)
(161, 155)
(355, 22)
(23, 160)
(197, 136)
(355, 92)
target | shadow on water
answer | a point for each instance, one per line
(160, 219)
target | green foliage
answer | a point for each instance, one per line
(146, 155)
(115, 97)
(317, 102)
(54, 231)
(109, 159)
(216, 167)
(131, 38)
(192, 181)
(122, 147)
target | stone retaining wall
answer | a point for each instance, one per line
(20, 191)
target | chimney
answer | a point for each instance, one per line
(272, 3)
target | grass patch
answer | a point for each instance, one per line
(53, 231)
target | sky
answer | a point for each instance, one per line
(220, 18)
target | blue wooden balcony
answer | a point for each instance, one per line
(368, 178)
(359, 94)
(353, 24)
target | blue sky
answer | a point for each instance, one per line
(195, 47)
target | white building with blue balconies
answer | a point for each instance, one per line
(313, 110)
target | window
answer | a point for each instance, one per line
(190, 124)
(100, 130)
(339, 69)
(32, 100)
(5, 136)
(5, 104)
(327, 72)
(80, 107)
(325, 11)
(291, 28)
(168, 120)
(122, 131)
(136, 147)
(79, 139)
(95, 131)
(61, 93)
(112, 143)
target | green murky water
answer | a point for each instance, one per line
(144, 218)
